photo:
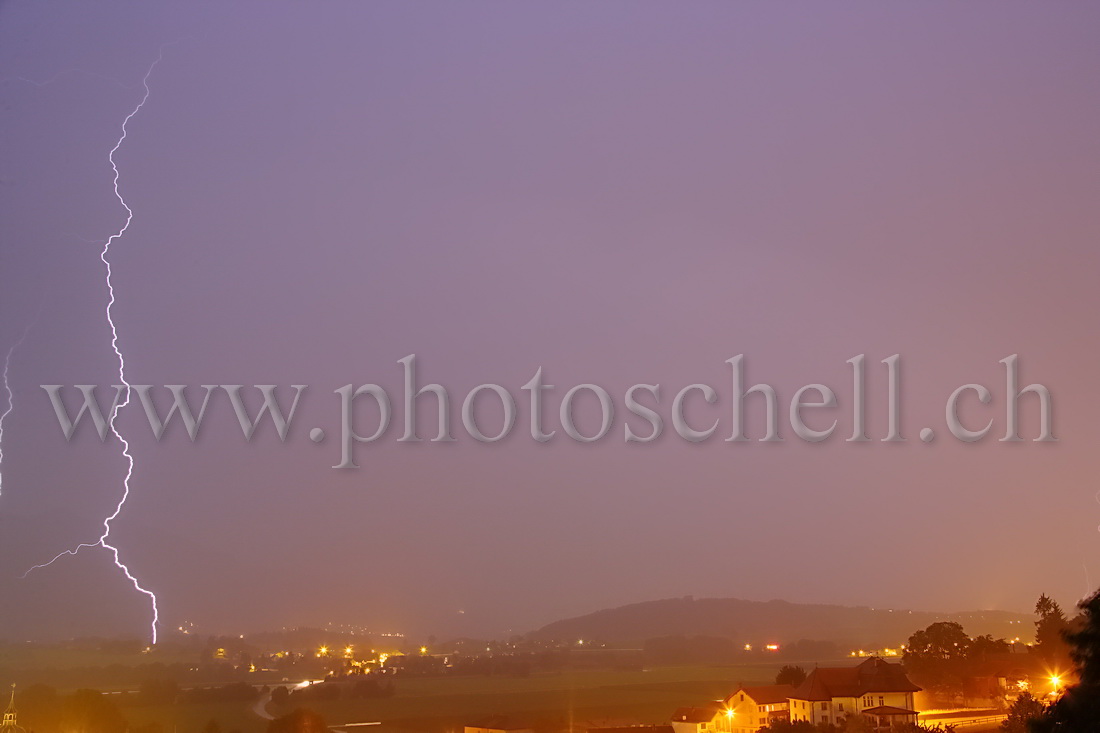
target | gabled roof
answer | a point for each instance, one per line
(765, 694)
(703, 714)
(873, 675)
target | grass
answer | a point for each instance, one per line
(192, 718)
(444, 704)
(548, 700)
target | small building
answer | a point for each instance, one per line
(751, 708)
(876, 689)
(704, 719)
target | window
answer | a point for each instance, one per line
(763, 721)
(880, 701)
(825, 719)
(761, 707)
(840, 707)
(824, 706)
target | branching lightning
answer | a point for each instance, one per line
(104, 538)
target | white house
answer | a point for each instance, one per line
(875, 689)
(750, 708)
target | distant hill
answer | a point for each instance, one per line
(760, 622)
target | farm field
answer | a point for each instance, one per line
(439, 704)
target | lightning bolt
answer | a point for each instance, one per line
(104, 538)
(11, 397)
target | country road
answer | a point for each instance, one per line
(260, 708)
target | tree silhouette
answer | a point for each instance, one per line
(790, 675)
(1050, 629)
(938, 654)
(1020, 714)
(1078, 710)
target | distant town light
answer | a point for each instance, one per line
(772, 647)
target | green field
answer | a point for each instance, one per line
(439, 704)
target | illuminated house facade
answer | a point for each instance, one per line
(750, 708)
(876, 689)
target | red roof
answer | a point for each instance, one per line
(696, 715)
(765, 694)
(873, 675)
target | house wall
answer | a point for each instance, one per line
(845, 706)
(896, 699)
(832, 710)
(800, 709)
(748, 715)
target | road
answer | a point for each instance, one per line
(260, 708)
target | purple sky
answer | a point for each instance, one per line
(617, 192)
